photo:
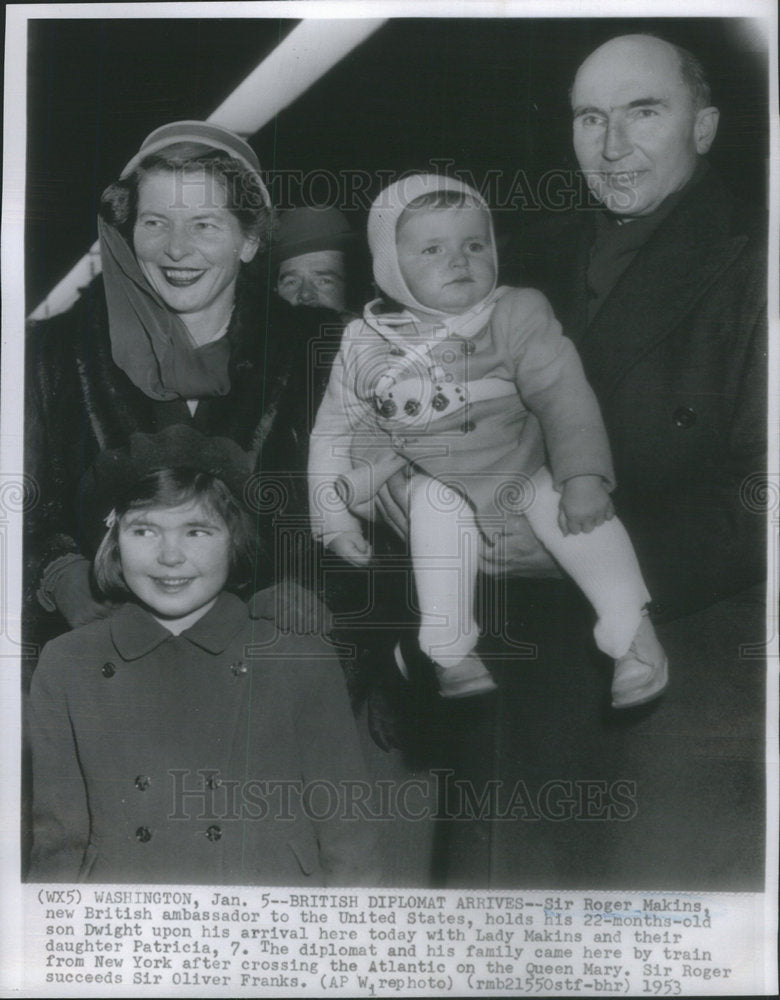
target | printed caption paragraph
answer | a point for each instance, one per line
(130, 941)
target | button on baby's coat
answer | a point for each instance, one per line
(168, 743)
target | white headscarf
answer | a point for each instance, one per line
(383, 218)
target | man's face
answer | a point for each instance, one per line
(637, 134)
(314, 279)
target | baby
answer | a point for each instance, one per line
(456, 404)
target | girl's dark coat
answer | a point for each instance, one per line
(221, 755)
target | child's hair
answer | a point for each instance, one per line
(171, 488)
(437, 201)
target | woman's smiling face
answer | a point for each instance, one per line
(188, 243)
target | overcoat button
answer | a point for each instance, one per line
(656, 609)
(468, 347)
(108, 670)
(144, 834)
(237, 668)
(142, 782)
(214, 781)
(440, 401)
(412, 407)
(214, 833)
(468, 426)
(684, 417)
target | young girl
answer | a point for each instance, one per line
(178, 740)
(459, 404)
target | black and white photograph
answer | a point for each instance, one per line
(311, 686)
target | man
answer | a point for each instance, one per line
(310, 250)
(663, 289)
(664, 294)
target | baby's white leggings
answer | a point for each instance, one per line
(445, 543)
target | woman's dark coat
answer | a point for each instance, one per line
(79, 402)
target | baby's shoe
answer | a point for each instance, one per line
(643, 672)
(465, 678)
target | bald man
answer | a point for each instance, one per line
(662, 287)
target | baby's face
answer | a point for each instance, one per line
(446, 257)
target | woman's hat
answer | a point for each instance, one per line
(205, 134)
(309, 229)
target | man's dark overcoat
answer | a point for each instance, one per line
(677, 357)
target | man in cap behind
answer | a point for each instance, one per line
(313, 252)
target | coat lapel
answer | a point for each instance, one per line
(676, 268)
(560, 266)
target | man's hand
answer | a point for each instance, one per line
(516, 551)
(585, 504)
(352, 547)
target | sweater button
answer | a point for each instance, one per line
(388, 408)
(468, 426)
(238, 668)
(468, 347)
(214, 781)
(684, 417)
(142, 782)
(108, 670)
(214, 833)
(143, 834)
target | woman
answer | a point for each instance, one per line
(179, 330)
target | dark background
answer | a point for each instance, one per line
(483, 94)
